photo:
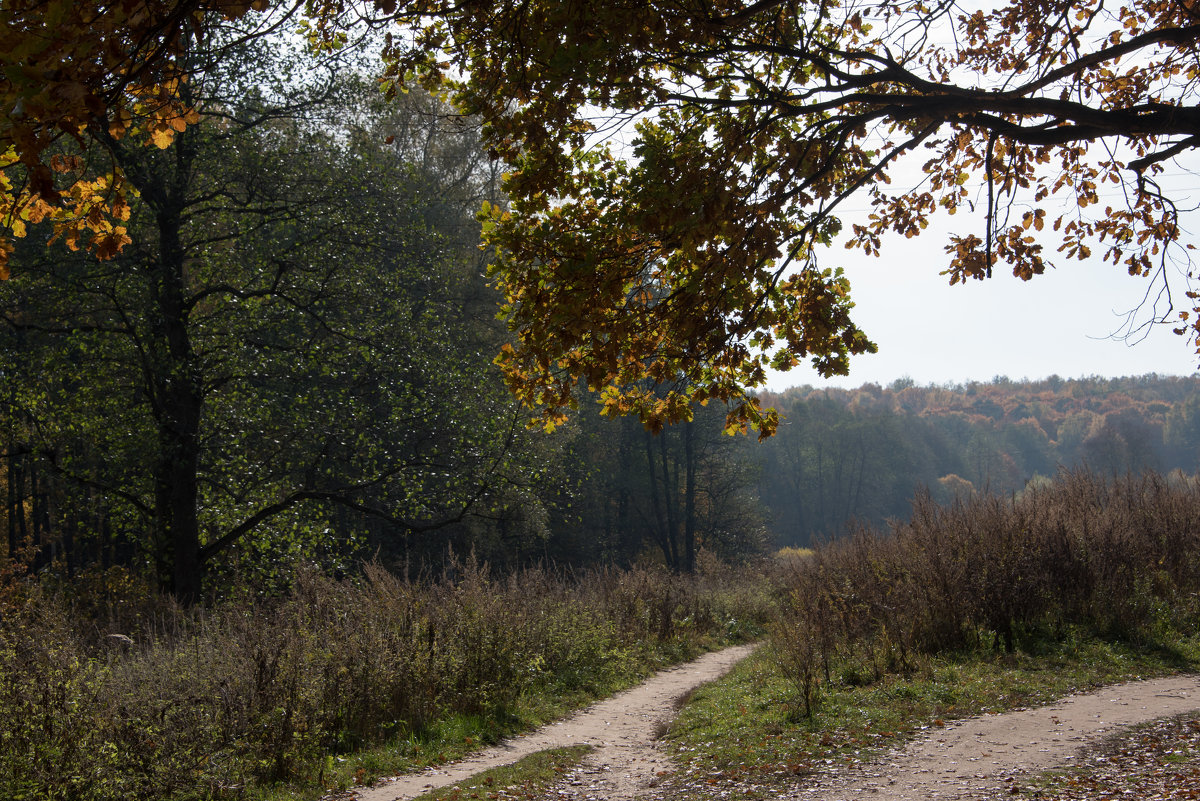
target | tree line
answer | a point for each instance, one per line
(674, 171)
(845, 455)
(292, 360)
(291, 342)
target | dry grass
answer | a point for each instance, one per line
(225, 702)
(1116, 559)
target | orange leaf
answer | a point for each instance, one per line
(162, 138)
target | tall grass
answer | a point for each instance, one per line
(1111, 558)
(215, 704)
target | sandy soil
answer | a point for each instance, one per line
(970, 759)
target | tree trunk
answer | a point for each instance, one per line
(179, 405)
(11, 502)
(174, 373)
(625, 544)
(821, 487)
(180, 570)
(16, 477)
(689, 513)
(662, 533)
(671, 502)
(44, 554)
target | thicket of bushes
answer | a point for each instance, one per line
(1111, 558)
(191, 705)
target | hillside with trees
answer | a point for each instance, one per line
(843, 455)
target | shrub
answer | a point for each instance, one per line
(1117, 558)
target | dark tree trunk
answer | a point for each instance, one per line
(661, 528)
(173, 372)
(178, 531)
(180, 402)
(689, 498)
(671, 502)
(37, 518)
(625, 542)
(12, 508)
(16, 477)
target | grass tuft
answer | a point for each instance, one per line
(527, 779)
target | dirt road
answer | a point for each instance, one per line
(968, 759)
(972, 758)
(622, 729)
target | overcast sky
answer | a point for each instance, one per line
(1057, 324)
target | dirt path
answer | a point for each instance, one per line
(622, 728)
(976, 758)
(968, 759)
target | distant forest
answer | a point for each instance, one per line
(605, 491)
(845, 455)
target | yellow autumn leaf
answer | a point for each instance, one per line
(162, 137)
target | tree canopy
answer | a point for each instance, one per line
(88, 71)
(674, 168)
(288, 359)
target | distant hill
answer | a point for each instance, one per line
(860, 454)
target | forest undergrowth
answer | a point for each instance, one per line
(1117, 560)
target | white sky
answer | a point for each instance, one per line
(1058, 323)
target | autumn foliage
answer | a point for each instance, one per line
(75, 73)
(677, 166)
(675, 169)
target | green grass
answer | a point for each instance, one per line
(747, 731)
(529, 778)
